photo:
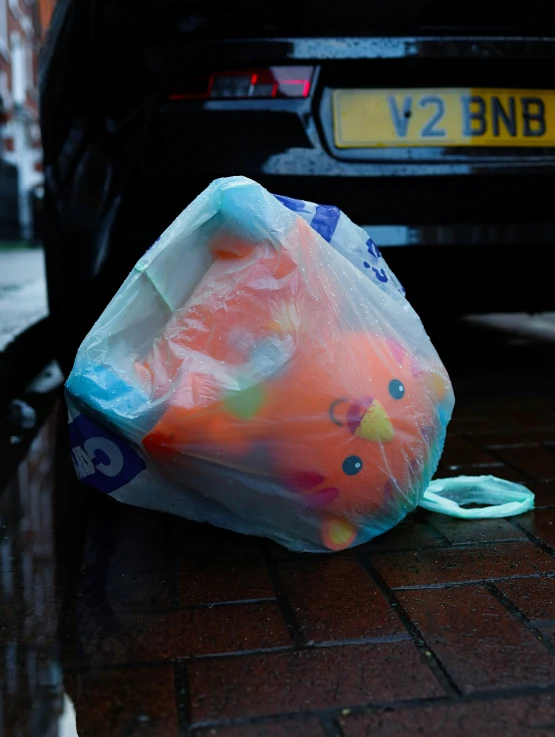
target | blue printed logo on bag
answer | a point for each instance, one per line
(100, 457)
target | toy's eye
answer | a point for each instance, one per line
(396, 389)
(352, 465)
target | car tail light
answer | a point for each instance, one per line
(273, 82)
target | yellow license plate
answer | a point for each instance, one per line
(443, 117)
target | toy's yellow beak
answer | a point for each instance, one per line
(376, 425)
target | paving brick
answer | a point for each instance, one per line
(282, 683)
(140, 637)
(545, 494)
(543, 401)
(238, 575)
(279, 553)
(289, 728)
(136, 702)
(519, 412)
(481, 645)
(413, 533)
(216, 565)
(474, 531)
(335, 599)
(547, 630)
(541, 523)
(461, 452)
(500, 470)
(523, 717)
(188, 535)
(128, 561)
(515, 439)
(536, 460)
(471, 424)
(452, 565)
(466, 411)
(535, 597)
(22, 623)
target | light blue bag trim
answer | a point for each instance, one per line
(505, 498)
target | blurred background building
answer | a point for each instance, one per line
(23, 25)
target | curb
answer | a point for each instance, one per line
(24, 358)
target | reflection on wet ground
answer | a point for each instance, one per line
(32, 687)
(121, 621)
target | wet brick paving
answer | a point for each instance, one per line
(170, 629)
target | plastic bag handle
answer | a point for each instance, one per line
(505, 498)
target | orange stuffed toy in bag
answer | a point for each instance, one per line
(258, 370)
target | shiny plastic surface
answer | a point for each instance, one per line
(267, 374)
(496, 497)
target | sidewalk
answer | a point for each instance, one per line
(23, 300)
(440, 627)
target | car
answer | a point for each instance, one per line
(437, 136)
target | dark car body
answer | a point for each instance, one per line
(465, 229)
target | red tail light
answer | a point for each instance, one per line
(247, 84)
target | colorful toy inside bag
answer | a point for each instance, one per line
(267, 373)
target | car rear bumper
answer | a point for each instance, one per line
(475, 226)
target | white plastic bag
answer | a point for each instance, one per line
(262, 370)
(496, 497)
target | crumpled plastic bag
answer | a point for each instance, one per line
(493, 497)
(261, 369)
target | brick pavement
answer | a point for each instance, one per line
(439, 627)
